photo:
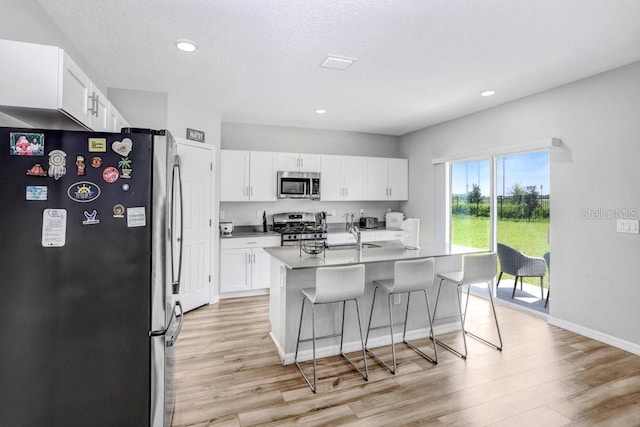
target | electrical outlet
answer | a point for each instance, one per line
(627, 226)
(361, 212)
(396, 299)
(333, 212)
(221, 214)
(259, 214)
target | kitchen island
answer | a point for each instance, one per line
(293, 270)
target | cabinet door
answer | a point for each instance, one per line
(376, 182)
(235, 270)
(260, 269)
(287, 162)
(234, 176)
(353, 177)
(398, 179)
(309, 163)
(76, 90)
(99, 111)
(331, 178)
(262, 177)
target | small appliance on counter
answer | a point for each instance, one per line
(226, 228)
(368, 222)
(412, 240)
(393, 220)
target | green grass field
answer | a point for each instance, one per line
(529, 238)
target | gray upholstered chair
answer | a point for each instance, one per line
(520, 265)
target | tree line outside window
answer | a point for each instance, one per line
(522, 203)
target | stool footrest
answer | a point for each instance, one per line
(321, 338)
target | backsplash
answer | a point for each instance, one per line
(250, 213)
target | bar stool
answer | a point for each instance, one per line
(476, 269)
(408, 276)
(333, 284)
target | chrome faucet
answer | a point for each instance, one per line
(355, 232)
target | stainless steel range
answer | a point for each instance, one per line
(297, 226)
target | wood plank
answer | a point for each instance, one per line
(228, 373)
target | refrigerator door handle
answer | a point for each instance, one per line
(177, 179)
(172, 339)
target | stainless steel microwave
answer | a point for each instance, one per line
(299, 185)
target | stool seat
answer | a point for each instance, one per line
(333, 285)
(476, 269)
(409, 276)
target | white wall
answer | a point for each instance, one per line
(594, 269)
(239, 136)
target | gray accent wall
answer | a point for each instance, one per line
(595, 178)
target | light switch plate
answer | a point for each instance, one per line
(221, 214)
(628, 226)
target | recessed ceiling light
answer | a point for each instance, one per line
(186, 45)
(488, 92)
(336, 62)
(321, 111)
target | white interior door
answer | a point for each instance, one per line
(196, 162)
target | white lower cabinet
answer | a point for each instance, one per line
(244, 264)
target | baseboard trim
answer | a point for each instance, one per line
(596, 335)
(241, 294)
(353, 346)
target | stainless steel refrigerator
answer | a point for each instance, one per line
(90, 254)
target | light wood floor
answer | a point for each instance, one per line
(229, 373)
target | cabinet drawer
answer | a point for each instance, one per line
(250, 242)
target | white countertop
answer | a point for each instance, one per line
(392, 250)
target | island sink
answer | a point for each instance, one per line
(352, 246)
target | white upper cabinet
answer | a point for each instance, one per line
(116, 121)
(387, 179)
(342, 177)
(247, 176)
(298, 162)
(53, 83)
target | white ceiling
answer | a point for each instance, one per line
(420, 62)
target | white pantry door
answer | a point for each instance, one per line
(196, 167)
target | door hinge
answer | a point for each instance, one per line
(210, 223)
(210, 166)
(209, 278)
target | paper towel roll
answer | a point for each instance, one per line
(412, 240)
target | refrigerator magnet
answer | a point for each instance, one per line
(136, 217)
(97, 145)
(91, 218)
(83, 191)
(57, 164)
(36, 170)
(125, 167)
(123, 147)
(96, 162)
(110, 174)
(80, 165)
(118, 211)
(26, 144)
(37, 192)
(54, 228)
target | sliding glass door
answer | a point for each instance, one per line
(471, 204)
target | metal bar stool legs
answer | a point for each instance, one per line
(313, 386)
(462, 314)
(393, 366)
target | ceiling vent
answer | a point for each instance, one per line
(336, 62)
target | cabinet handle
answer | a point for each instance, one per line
(346, 191)
(248, 258)
(254, 258)
(298, 163)
(389, 192)
(96, 110)
(92, 102)
(301, 163)
(251, 193)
